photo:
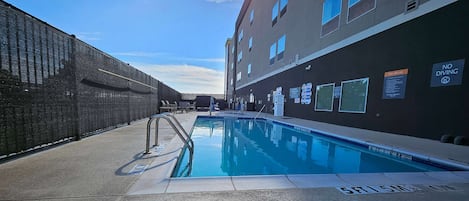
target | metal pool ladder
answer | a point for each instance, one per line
(177, 127)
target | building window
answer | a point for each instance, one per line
(277, 49)
(232, 50)
(274, 13)
(238, 76)
(249, 70)
(330, 16)
(232, 65)
(273, 52)
(281, 47)
(240, 56)
(231, 81)
(283, 7)
(357, 8)
(251, 16)
(250, 43)
(240, 36)
(352, 2)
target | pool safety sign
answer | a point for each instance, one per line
(295, 94)
(306, 91)
(394, 84)
(361, 190)
(397, 188)
(447, 73)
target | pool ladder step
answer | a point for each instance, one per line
(177, 127)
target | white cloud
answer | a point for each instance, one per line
(139, 54)
(212, 60)
(167, 56)
(89, 36)
(219, 1)
(186, 78)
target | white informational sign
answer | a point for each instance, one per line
(279, 104)
(306, 93)
(295, 92)
(278, 91)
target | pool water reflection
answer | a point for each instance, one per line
(233, 147)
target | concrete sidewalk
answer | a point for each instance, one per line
(108, 167)
(101, 167)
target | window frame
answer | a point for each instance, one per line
(240, 36)
(238, 76)
(272, 57)
(353, 3)
(283, 7)
(329, 22)
(365, 99)
(275, 10)
(280, 54)
(240, 56)
(332, 97)
(332, 17)
(364, 13)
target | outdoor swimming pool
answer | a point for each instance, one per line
(234, 147)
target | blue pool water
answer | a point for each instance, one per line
(233, 147)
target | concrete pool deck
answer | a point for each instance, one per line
(111, 166)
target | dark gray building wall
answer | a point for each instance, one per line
(54, 87)
(426, 111)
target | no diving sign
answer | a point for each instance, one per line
(447, 73)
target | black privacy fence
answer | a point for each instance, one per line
(54, 87)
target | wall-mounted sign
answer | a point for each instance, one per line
(447, 73)
(306, 93)
(295, 92)
(278, 91)
(337, 90)
(395, 83)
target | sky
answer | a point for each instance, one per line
(179, 42)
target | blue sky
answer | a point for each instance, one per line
(179, 42)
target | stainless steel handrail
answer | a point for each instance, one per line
(259, 111)
(176, 127)
(186, 135)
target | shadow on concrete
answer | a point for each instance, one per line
(143, 157)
